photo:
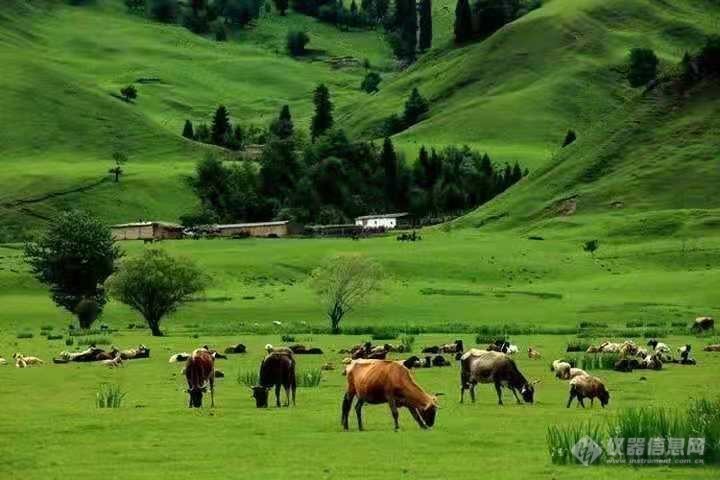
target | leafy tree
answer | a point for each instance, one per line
(281, 6)
(709, 57)
(74, 258)
(570, 137)
(425, 38)
(371, 82)
(323, 119)
(163, 10)
(135, 6)
(643, 67)
(241, 12)
(591, 246)
(202, 133)
(155, 285)
(415, 107)
(463, 21)
(129, 93)
(279, 169)
(188, 131)
(296, 42)
(119, 158)
(220, 128)
(343, 283)
(282, 127)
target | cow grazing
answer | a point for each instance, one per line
(277, 369)
(378, 381)
(533, 354)
(703, 324)
(483, 366)
(200, 375)
(237, 348)
(587, 386)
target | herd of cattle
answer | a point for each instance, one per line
(373, 379)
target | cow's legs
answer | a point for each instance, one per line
(394, 412)
(358, 411)
(287, 395)
(417, 417)
(212, 390)
(472, 392)
(572, 394)
(347, 403)
(498, 389)
(516, 395)
(580, 399)
(277, 395)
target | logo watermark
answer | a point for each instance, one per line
(641, 451)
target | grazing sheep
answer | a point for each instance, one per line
(712, 348)
(561, 369)
(587, 386)
(115, 362)
(533, 354)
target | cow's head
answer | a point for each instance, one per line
(604, 397)
(260, 394)
(429, 413)
(528, 391)
(196, 396)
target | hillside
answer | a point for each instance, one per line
(516, 93)
(62, 124)
(649, 169)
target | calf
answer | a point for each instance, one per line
(587, 386)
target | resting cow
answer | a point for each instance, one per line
(380, 381)
(200, 374)
(483, 366)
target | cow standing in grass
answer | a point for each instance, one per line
(381, 381)
(200, 375)
(483, 366)
(277, 369)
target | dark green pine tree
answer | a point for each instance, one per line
(221, 127)
(283, 126)
(188, 131)
(517, 174)
(425, 39)
(408, 29)
(463, 22)
(415, 107)
(389, 162)
(322, 120)
(281, 6)
(570, 137)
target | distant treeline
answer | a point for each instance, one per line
(331, 179)
(485, 17)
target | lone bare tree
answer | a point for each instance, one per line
(344, 282)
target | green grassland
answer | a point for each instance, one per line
(55, 430)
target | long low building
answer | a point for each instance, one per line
(387, 221)
(259, 229)
(146, 231)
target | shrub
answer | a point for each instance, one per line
(287, 338)
(129, 93)
(55, 337)
(577, 346)
(163, 10)
(643, 67)
(70, 341)
(46, 327)
(595, 361)
(24, 335)
(371, 82)
(248, 378)
(383, 333)
(407, 342)
(296, 42)
(109, 396)
(309, 378)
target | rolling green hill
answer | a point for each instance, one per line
(513, 95)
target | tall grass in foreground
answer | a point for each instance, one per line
(594, 361)
(407, 342)
(248, 378)
(700, 419)
(310, 377)
(109, 396)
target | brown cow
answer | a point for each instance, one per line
(381, 381)
(200, 374)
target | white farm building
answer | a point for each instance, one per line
(387, 221)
